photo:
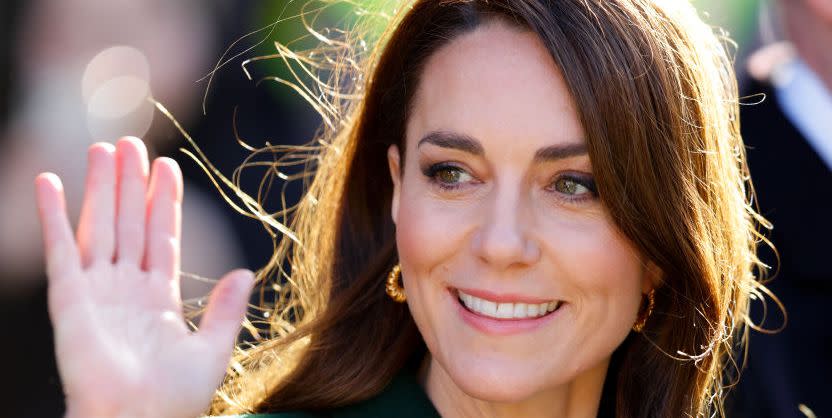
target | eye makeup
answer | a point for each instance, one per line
(574, 187)
(447, 176)
(568, 187)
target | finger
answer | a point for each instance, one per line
(226, 308)
(63, 261)
(131, 169)
(164, 218)
(96, 227)
(62, 256)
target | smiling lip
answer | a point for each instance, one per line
(503, 326)
(503, 297)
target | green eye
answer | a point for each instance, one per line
(570, 187)
(450, 175)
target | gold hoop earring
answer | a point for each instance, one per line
(644, 315)
(393, 288)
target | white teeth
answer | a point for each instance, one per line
(519, 310)
(488, 308)
(506, 310)
(467, 299)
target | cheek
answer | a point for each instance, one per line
(605, 274)
(428, 231)
(428, 236)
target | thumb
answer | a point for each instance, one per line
(226, 308)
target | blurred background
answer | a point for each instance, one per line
(73, 72)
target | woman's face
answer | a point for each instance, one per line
(497, 216)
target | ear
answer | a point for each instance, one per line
(822, 8)
(394, 162)
(653, 277)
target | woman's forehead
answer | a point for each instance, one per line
(497, 84)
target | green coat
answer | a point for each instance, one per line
(403, 398)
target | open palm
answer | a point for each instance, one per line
(122, 345)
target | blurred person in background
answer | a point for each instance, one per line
(79, 71)
(789, 138)
(94, 83)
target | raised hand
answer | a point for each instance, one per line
(122, 346)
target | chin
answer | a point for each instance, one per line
(493, 385)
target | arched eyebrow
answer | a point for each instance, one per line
(559, 152)
(453, 140)
(466, 143)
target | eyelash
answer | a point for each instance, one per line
(431, 172)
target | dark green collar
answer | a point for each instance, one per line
(402, 398)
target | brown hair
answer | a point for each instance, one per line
(657, 98)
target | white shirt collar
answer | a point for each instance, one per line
(807, 103)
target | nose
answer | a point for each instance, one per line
(503, 239)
